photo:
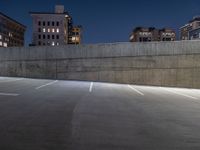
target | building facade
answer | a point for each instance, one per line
(194, 34)
(52, 29)
(167, 35)
(75, 35)
(141, 34)
(11, 32)
(189, 30)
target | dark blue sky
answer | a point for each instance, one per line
(108, 20)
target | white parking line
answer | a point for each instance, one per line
(185, 95)
(11, 80)
(8, 94)
(131, 87)
(91, 86)
(46, 85)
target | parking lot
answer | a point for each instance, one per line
(40, 114)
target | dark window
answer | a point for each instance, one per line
(57, 36)
(57, 23)
(43, 43)
(39, 23)
(48, 23)
(39, 43)
(48, 36)
(39, 29)
(43, 23)
(53, 36)
(44, 36)
(39, 36)
(53, 23)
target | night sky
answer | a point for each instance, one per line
(108, 20)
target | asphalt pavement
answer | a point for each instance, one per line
(76, 115)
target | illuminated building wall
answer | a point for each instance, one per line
(190, 31)
(141, 34)
(75, 35)
(51, 29)
(11, 32)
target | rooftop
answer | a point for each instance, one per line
(65, 13)
(1, 14)
(59, 10)
(196, 18)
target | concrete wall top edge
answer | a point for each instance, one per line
(120, 49)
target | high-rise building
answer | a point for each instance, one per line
(141, 34)
(190, 31)
(11, 32)
(52, 28)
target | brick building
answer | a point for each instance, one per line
(141, 34)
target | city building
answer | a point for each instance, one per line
(75, 35)
(190, 31)
(52, 29)
(167, 35)
(11, 32)
(141, 34)
(194, 34)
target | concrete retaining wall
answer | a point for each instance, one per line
(163, 64)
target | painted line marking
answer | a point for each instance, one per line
(8, 94)
(11, 81)
(131, 87)
(185, 95)
(91, 86)
(37, 88)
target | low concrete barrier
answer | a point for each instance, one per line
(174, 64)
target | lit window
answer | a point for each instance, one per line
(0, 43)
(53, 30)
(73, 38)
(57, 43)
(53, 44)
(44, 30)
(6, 39)
(5, 44)
(0, 37)
(57, 30)
(49, 30)
(10, 34)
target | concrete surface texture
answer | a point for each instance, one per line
(72, 115)
(158, 63)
